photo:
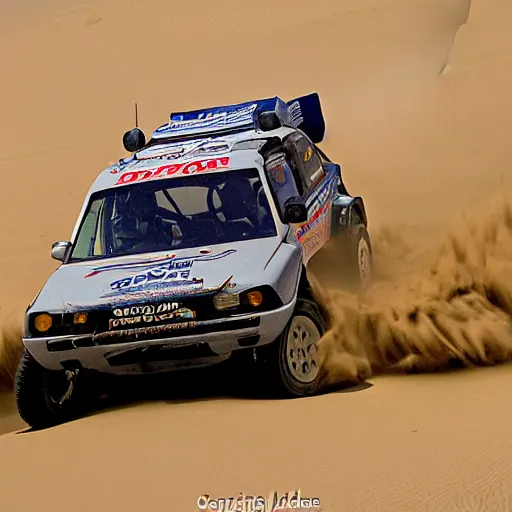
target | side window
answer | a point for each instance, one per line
(282, 180)
(313, 167)
(307, 161)
(90, 242)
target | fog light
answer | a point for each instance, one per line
(226, 300)
(80, 318)
(254, 298)
(43, 322)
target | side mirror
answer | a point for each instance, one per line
(295, 211)
(60, 249)
(134, 140)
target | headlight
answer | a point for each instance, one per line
(43, 322)
(226, 300)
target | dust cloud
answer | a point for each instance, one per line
(434, 304)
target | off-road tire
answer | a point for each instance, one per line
(271, 361)
(350, 260)
(34, 401)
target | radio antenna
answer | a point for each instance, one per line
(136, 116)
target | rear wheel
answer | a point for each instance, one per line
(359, 259)
(290, 364)
(345, 262)
(45, 397)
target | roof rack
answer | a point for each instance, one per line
(304, 113)
(265, 114)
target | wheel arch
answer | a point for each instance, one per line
(348, 212)
(304, 288)
(357, 209)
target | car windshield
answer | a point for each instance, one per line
(175, 213)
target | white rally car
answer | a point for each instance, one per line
(193, 249)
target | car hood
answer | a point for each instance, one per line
(157, 276)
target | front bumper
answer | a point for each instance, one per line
(206, 343)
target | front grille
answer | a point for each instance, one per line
(165, 331)
(172, 330)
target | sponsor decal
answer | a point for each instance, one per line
(149, 292)
(150, 330)
(295, 113)
(148, 309)
(155, 278)
(214, 147)
(317, 218)
(145, 314)
(214, 119)
(181, 169)
(315, 239)
(167, 272)
(314, 233)
(129, 265)
(276, 170)
(307, 155)
(316, 175)
(174, 151)
(161, 152)
(209, 120)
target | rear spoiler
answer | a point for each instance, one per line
(312, 121)
(304, 113)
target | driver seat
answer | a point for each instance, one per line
(136, 225)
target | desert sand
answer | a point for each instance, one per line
(416, 94)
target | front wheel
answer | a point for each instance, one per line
(290, 365)
(46, 397)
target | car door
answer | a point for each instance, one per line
(318, 190)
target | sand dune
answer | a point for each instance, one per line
(418, 107)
